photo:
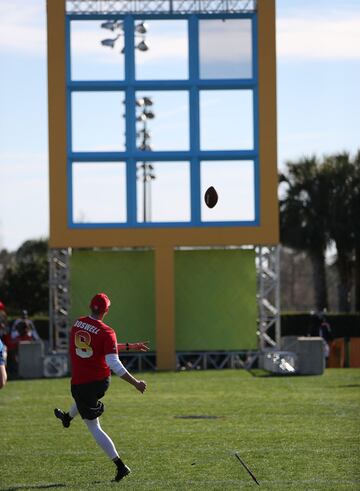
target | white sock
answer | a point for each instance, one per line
(73, 411)
(101, 437)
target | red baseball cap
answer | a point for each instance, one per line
(2, 306)
(100, 303)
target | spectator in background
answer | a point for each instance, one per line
(25, 332)
(3, 320)
(321, 327)
(3, 374)
(22, 329)
(9, 344)
(30, 327)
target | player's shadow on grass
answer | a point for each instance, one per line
(35, 486)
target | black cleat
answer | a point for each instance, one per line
(122, 471)
(64, 417)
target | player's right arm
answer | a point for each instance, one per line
(140, 346)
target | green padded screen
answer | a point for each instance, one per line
(215, 295)
(215, 300)
(127, 277)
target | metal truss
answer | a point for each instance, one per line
(268, 300)
(59, 301)
(138, 361)
(203, 360)
(160, 6)
(268, 296)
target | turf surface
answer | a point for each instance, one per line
(295, 433)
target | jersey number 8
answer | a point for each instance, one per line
(82, 343)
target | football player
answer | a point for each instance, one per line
(94, 354)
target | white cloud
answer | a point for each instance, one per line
(332, 38)
(23, 27)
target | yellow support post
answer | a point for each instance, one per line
(57, 115)
(267, 121)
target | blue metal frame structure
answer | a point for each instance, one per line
(193, 85)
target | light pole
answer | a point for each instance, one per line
(143, 135)
(147, 169)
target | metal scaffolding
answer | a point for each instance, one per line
(268, 296)
(59, 299)
(160, 6)
(203, 360)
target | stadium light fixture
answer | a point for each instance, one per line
(141, 28)
(142, 46)
(146, 170)
(144, 101)
(110, 42)
(112, 25)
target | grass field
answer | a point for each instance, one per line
(300, 433)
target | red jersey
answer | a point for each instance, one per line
(90, 341)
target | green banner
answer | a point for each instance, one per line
(215, 295)
(215, 300)
(127, 278)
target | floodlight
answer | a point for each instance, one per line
(142, 46)
(148, 101)
(109, 24)
(144, 101)
(145, 115)
(141, 28)
(112, 25)
(110, 42)
(149, 114)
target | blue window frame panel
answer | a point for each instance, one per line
(193, 85)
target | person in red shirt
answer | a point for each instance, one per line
(93, 355)
(3, 315)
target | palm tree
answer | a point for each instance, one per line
(302, 218)
(338, 171)
(355, 212)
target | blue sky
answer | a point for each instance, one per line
(318, 80)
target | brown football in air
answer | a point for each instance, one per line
(211, 197)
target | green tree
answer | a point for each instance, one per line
(25, 284)
(32, 250)
(303, 218)
(6, 259)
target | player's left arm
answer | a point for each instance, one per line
(3, 374)
(117, 367)
(140, 346)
